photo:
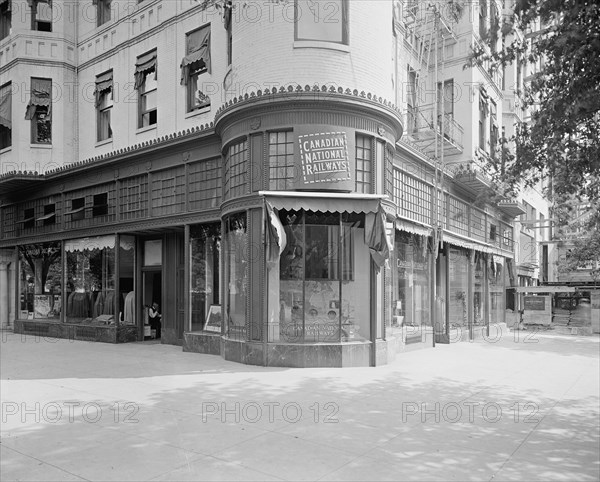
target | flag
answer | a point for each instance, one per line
(276, 239)
(376, 237)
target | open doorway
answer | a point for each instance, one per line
(152, 296)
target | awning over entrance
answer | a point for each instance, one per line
(324, 201)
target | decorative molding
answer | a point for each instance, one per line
(255, 123)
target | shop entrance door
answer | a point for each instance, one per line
(152, 292)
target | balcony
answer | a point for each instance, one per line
(420, 128)
(469, 177)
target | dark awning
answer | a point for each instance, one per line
(104, 82)
(6, 108)
(145, 64)
(40, 97)
(324, 201)
(198, 50)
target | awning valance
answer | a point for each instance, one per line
(40, 97)
(6, 108)
(409, 227)
(198, 50)
(104, 82)
(144, 65)
(96, 242)
(474, 245)
(324, 201)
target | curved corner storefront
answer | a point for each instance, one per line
(303, 231)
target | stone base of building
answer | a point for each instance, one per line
(52, 329)
(307, 355)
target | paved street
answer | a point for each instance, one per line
(516, 409)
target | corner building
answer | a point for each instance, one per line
(246, 168)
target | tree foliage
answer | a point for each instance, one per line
(561, 140)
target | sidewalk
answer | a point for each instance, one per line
(524, 409)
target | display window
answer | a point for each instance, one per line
(90, 275)
(40, 286)
(496, 288)
(126, 279)
(410, 282)
(479, 298)
(324, 279)
(236, 272)
(458, 286)
(205, 255)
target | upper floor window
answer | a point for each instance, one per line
(5, 18)
(281, 161)
(41, 15)
(363, 164)
(446, 98)
(194, 64)
(39, 111)
(482, 18)
(104, 104)
(100, 207)
(6, 116)
(483, 119)
(49, 216)
(227, 22)
(146, 85)
(321, 20)
(493, 128)
(102, 11)
(28, 218)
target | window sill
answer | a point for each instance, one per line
(5, 150)
(40, 146)
(104, 142)
(317, 44)
(197, 112)
(141, 130)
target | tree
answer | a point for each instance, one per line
(41, 258)
(561, 141)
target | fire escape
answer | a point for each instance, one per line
(430, 123)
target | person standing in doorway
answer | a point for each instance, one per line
(154, 317)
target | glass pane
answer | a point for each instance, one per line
(237, 275)
(126, 276)
(321, 311)
(319, 20)
(149, 100)
(40, 281)
(153, 252)
(356, 291)
(458, 288)
(90, 283)
(205, 247)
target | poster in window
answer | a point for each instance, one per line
(213, 319)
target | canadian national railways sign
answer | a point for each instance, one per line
(324, 157)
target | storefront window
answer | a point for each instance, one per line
(126, 276)
(324, 290)
(479, 290)
(458, 283)
(496, 283)
(40, 284)
(90, 274)
(410, 292)
(236, 271)
(205, 250)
